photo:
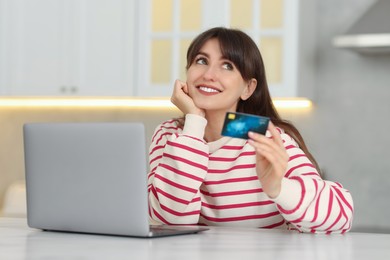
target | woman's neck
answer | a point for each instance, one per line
(214, 125)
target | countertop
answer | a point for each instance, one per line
(18, 241)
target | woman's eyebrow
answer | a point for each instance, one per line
(203, 53)
(208, 56)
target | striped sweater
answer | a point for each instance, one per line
(195, 182)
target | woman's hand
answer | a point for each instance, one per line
(183, 101)
(271, 160)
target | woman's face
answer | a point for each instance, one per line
(214, 83)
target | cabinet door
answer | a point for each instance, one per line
(66, 47)
(32, 46)
(102, 47)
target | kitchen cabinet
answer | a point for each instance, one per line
(138, 47)
(66, 47)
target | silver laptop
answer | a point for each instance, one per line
(90, 178)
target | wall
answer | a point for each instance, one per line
(348, 128)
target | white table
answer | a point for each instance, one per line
(17, 241)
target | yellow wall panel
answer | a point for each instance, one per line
(271, 14)
(241, 14)
(162, 15)
(184, 44)
(272, 51)
(161, 61)
(190, 15)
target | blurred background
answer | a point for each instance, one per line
(334, 54)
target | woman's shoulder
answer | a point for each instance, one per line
(173, 125)
(166, 129)
(286, 138)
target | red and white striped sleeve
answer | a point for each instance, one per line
(307, 201)
(178, 165)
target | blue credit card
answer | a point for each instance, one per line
(239, 124)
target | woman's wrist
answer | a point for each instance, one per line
(195, 125)
(198, 112)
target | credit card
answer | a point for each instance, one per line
(239, 124)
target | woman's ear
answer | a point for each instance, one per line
(249, 89)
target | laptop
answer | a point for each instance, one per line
(90, 178)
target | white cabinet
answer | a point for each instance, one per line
(87, 47)
(66, 47)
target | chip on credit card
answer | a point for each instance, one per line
(239, 124)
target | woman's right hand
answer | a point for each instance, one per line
(181, 99)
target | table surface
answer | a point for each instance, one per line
(18, 241)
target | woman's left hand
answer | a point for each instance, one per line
(271, 160)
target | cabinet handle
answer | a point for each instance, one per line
(63, 89)
(73, 89)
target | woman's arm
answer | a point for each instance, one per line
(304, 199)
(307, 201)
(178, 164)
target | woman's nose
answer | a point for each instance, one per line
(210, 73)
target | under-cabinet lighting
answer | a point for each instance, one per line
(292, 103)
(87, 102)
(124, 102)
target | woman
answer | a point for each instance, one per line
(200, 177)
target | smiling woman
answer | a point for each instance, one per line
(212, 74)
(198, 176)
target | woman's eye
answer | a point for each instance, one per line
(201, 61)
(228, 66)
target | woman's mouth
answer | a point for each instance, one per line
(209, 90)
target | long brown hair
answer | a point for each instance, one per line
(240, 49)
